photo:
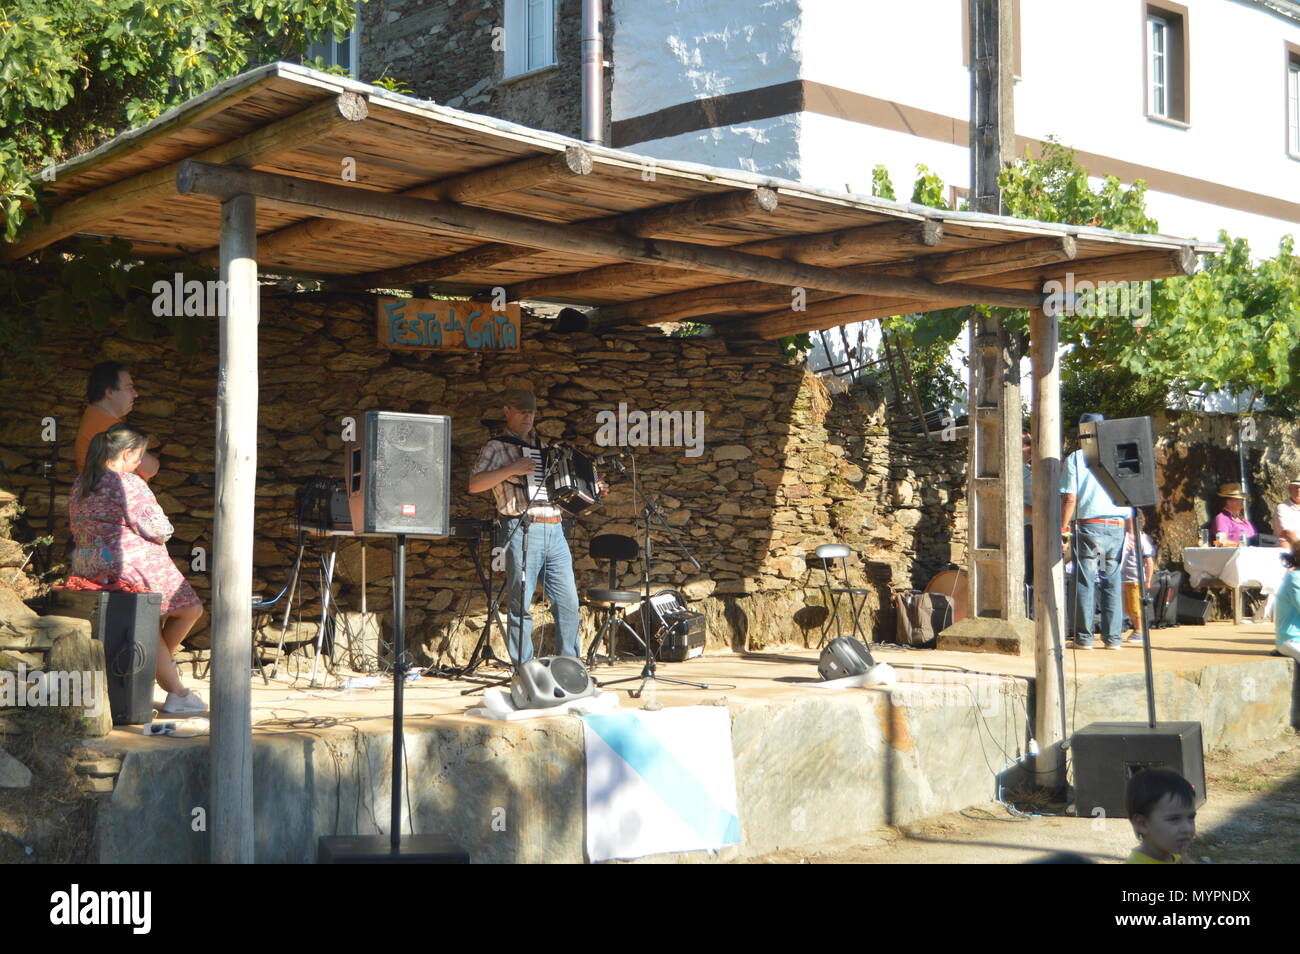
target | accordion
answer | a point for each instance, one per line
(676, 633)
(571, 485)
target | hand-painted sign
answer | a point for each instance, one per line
(434, 324)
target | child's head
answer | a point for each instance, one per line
(1162, 810)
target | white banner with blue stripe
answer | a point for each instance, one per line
(659, 782)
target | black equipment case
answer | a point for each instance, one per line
(676, 632)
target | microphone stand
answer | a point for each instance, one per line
(648, 674)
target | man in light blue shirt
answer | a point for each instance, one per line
(1097, 548)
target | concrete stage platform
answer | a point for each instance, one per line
(812, 765)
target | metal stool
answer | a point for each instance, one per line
(828, 553)
(610, 600)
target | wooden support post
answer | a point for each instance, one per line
(995, 508)
(1049, 570)
(231, 808)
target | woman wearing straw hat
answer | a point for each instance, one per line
(1231, 521)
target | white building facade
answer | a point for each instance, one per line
(1201, 100)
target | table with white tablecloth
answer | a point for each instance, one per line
(1235, 567)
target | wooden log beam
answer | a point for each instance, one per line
(994, 259)
(691, 214)
(94, 209)
(468, 187)
(889, 239)
(334, 201)
(1125, 267)
(900, 240)
(829, 314)
(945, 268)
(710, 300)
(675, 217)
(471, 187)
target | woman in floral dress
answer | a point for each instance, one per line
(121, 534)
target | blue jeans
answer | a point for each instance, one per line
(549, 559)
(1097, 552)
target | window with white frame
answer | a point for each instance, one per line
(1293, 102)
(530, 36)
(1158, 66)
(345, 52)
(1166, 70)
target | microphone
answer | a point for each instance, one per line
(612, 461)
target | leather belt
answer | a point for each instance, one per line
(539, 519)
(1108, 521)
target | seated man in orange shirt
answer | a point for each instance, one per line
(110, 395)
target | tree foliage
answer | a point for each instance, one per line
(74, 73)
(1233, 325)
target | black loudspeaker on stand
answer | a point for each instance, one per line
(1121, 455)
(398, 475)
(398, 483)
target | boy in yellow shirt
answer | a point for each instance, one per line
(1161, 808)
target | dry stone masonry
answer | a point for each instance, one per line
(785, 465)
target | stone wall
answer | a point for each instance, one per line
(785, 465)
(1195, 453)
(443, 51)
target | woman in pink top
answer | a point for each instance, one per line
(121, 535)
(1231, 520)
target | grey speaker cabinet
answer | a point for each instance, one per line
(398, 475)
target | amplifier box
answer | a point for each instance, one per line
(1107, 754)
(378, 849)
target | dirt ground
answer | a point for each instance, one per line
(1251, 816)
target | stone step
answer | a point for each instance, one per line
(100, 768)
(97, 785)
(39, 632)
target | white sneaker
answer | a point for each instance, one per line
(190, 702)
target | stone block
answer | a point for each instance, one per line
(13, 774)
(100, 768)
(982, 635)
(11, 605)
(75, 652)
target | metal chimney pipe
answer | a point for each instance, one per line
(593, 72)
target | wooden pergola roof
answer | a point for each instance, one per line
(465, 203)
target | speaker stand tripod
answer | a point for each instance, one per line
(648, 671)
